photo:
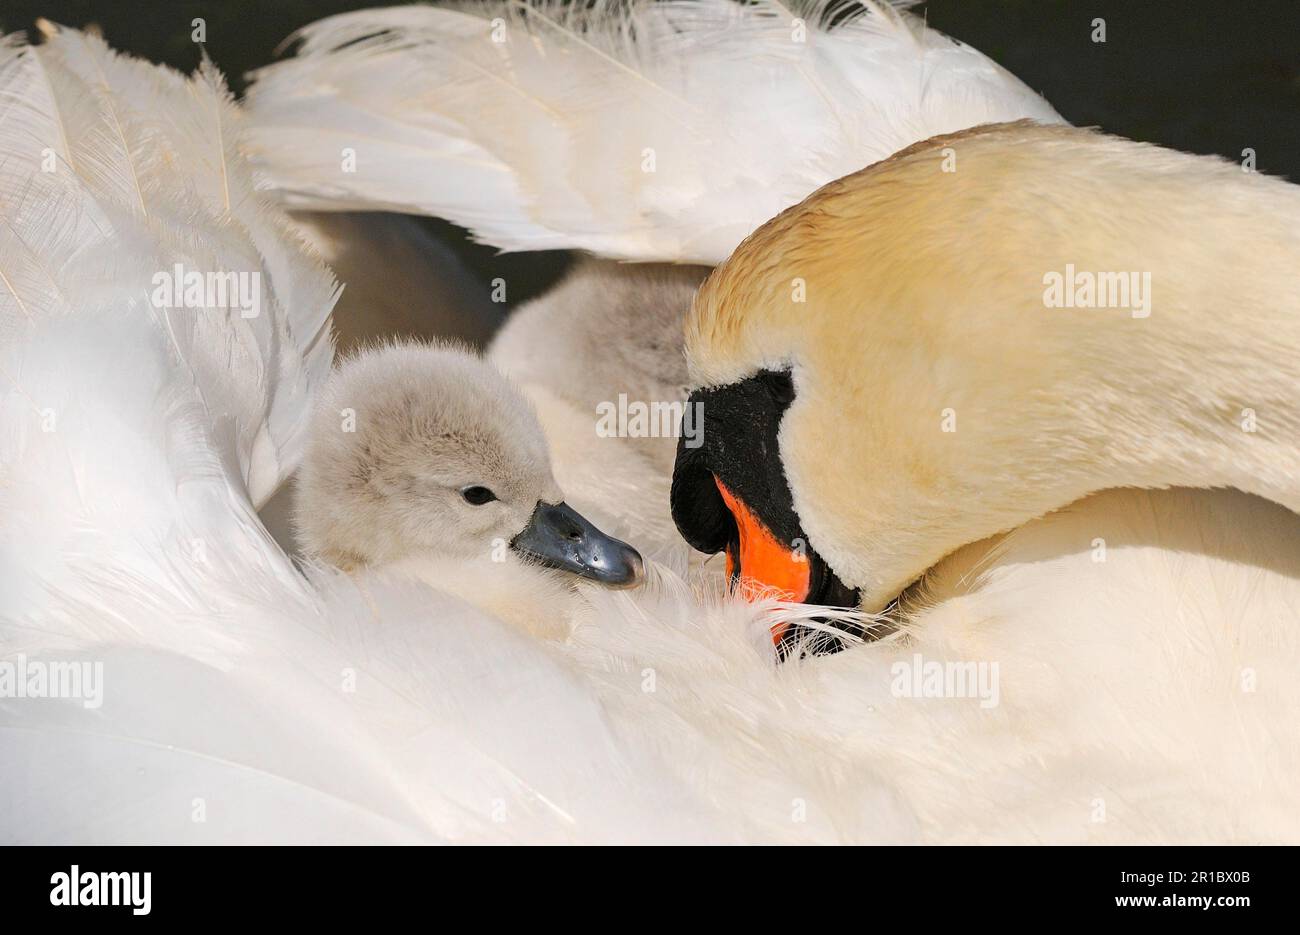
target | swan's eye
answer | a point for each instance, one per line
(477, 495)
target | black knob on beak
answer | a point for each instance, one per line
(560, 537)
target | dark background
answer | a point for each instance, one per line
(1205, 76)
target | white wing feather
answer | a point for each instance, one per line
(642, 131)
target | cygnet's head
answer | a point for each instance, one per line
(419, 449)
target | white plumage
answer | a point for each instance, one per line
(1154, 702)
(110, 165)
(641, 131)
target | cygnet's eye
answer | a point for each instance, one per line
(477, 495)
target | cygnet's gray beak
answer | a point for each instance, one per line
(559, 537)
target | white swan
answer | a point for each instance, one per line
(932, 351)
(244, 702)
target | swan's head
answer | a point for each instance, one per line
(418, 450)
(880, 380)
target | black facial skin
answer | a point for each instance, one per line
(739, 432)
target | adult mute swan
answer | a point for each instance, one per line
(1138, 688)
(908, 361)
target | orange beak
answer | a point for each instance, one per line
(763, 560)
